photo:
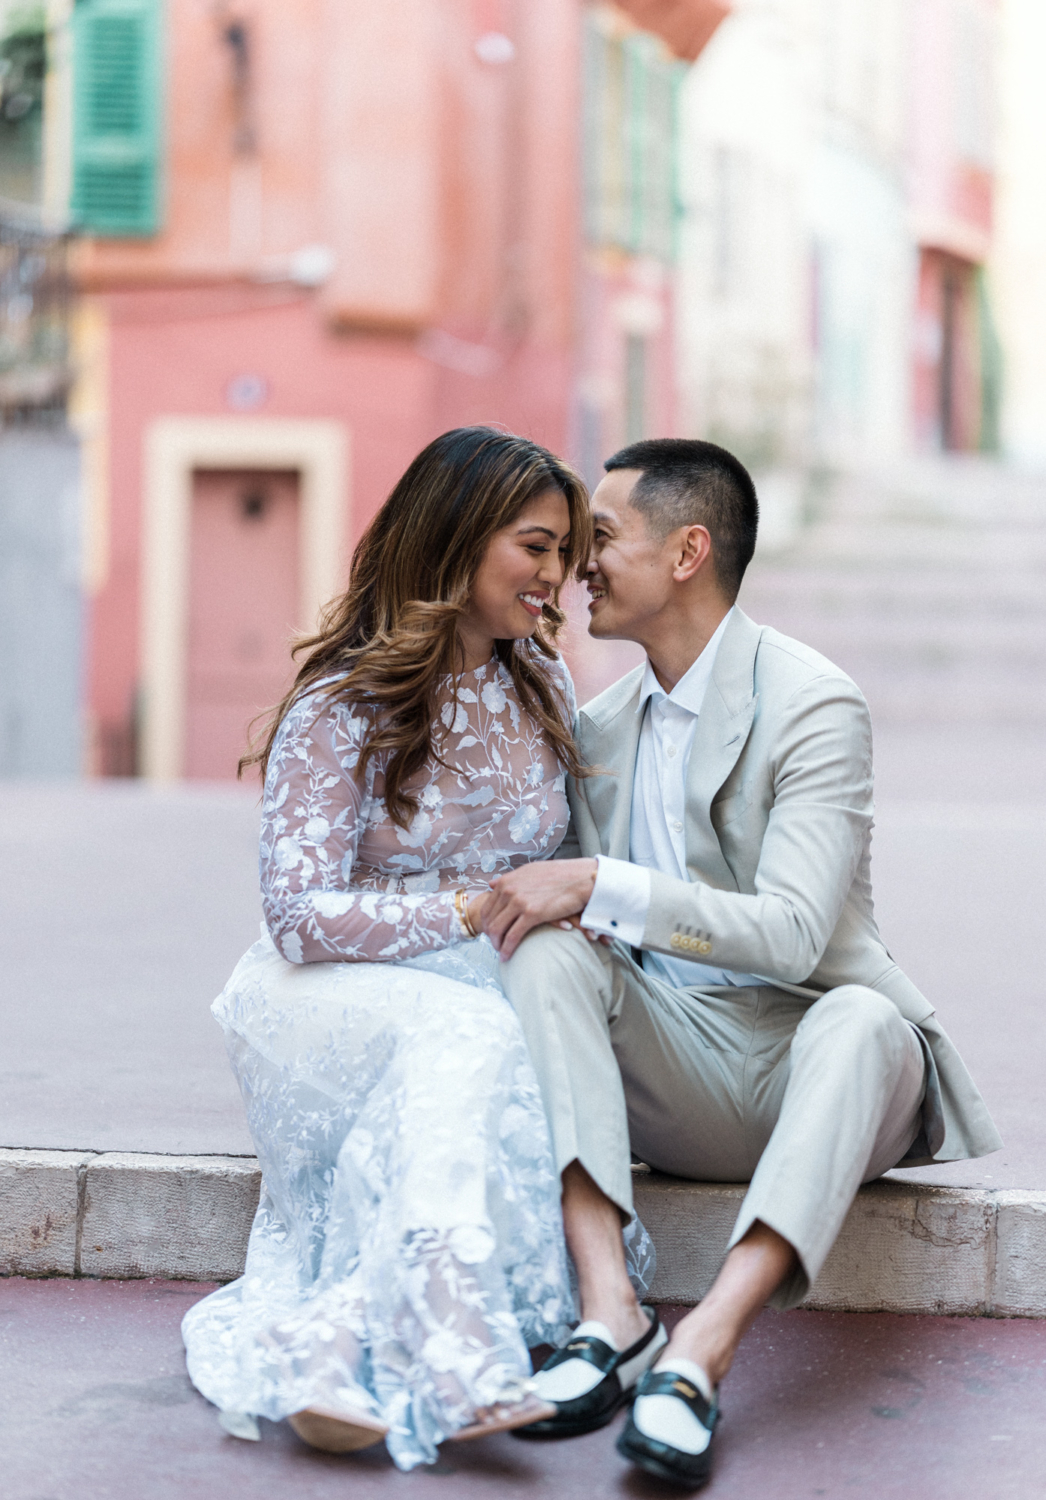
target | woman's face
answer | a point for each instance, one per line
(523, 564)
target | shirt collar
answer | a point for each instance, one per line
(689, 691)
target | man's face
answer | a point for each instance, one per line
(629, 573)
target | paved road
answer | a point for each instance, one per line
(95, 1405)
(123, 908)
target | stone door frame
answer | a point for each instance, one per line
(174, 448)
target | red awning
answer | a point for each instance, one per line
(685, 25)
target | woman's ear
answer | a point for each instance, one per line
(694, 551)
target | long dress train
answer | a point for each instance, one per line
(408, 1244)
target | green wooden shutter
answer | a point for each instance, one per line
(630, 129)
(116, 116)
(653, 83)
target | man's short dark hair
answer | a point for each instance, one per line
(685, 482)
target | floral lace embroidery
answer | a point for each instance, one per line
(409, 1244)
(341, 881)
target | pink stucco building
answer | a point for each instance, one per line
(370, 225)
(951, 189)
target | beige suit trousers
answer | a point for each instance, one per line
(803, 1100)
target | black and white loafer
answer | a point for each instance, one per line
(689, 1467)
(588, 1380)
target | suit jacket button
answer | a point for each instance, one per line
(704, 947)
(675, 941)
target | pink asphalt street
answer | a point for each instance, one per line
(97, 1406)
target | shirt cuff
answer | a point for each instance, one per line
(619, 901)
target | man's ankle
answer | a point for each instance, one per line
(707, 1346)
(625, 1318)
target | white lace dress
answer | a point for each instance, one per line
(408, 1240)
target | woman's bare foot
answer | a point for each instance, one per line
(503, 1417)
(344, 1434)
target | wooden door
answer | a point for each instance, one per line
(243, 609)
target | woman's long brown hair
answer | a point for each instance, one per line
(392, 636)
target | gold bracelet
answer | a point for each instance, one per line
(461, 906)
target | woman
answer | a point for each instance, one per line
(408, 1245)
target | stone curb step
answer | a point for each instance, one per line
(905, 1247)
(122, 1214)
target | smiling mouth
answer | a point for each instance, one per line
(595, 594)
(533, 603)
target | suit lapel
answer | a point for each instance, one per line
(609, 793)
(619, 841)
(722, 731)
(611, 744)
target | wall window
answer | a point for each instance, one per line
(631, 87)
(957, 360)
(22, 67)
(34, 307)
(116, 116)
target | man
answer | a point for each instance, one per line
(740, 1018)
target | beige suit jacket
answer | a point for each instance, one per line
(778, 841)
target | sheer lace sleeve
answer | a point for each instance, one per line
(313, 811)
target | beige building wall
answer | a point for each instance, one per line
(1018, 260)
(796, 272)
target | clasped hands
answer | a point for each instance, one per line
(547, 891)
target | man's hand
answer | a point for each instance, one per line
(545, 891)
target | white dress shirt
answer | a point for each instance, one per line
(620, 898)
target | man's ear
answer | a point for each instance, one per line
(695, 549)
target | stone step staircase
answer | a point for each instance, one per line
(927, 583)
(905, 1247)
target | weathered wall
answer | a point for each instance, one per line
(40, 605)
(437, 182)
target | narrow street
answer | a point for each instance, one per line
(96, 1406)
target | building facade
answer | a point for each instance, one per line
(1018, 252)
(837, 168)
(41, 609)
(321, 235)
(307, 240)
